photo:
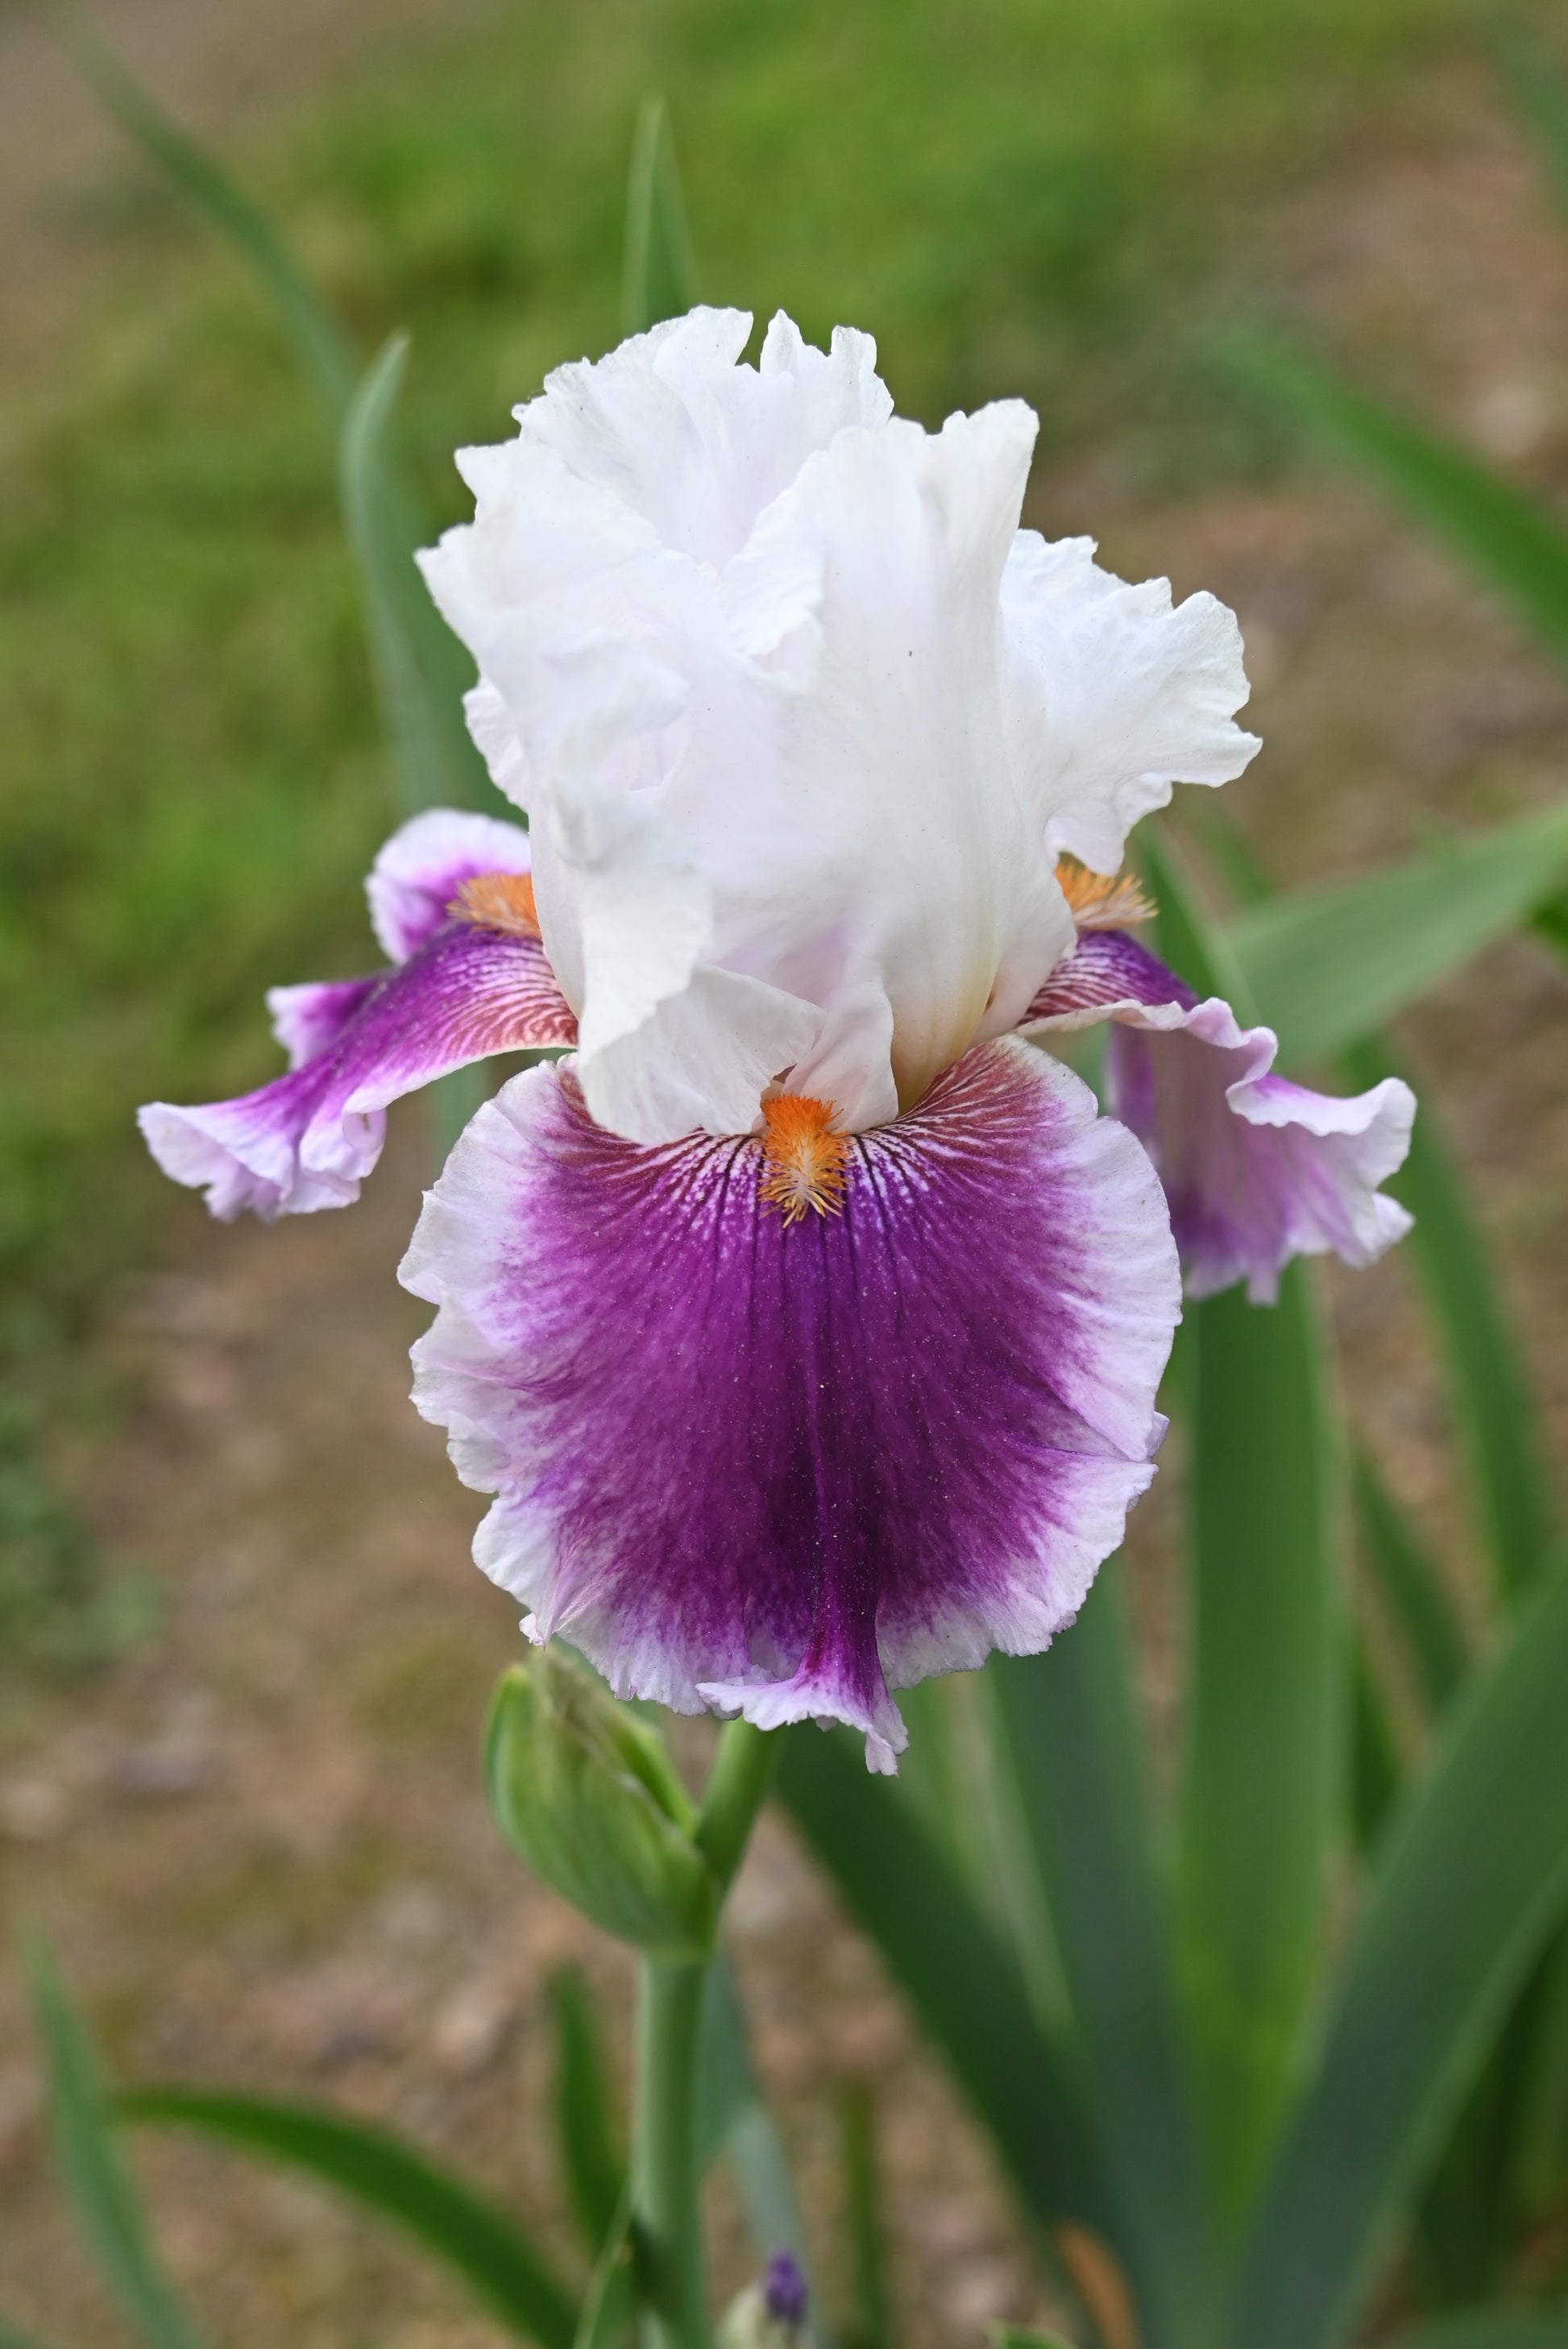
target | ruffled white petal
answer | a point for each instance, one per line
(1113, 695)
(791, 702)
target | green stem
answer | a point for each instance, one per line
(743, 1771)
(666, 2215)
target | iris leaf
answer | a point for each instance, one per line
(1327, 967)
(96, 2183)
(378, 2170)
(1260, 1794)
(611, 2301)
(659, 272)
(1068, 1723)
(872, 2326)
(1265, 1725)
(593, 2162)
(1472, 2207)
(1542, 2146)
(11, 2339)
(1411, 1587)
(1541, 96)
(732, 2120)
(1375, 1769)
(422, 671)
(1491, 2328)
(1473, 1878)
(1503, 534)
(966, 1990)
(323, 352)
(1490, 1391)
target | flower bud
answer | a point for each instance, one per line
(770, 2313)
(588, 1797)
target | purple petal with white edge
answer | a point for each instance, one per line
(421, 868)
(1257, 1170)
(780, 1468)
(307, 1019)
(308, 1139)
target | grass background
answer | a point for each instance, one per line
(1019, 196)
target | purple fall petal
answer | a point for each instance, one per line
(1257, 1170)
(308, 1139)
(777, 1468)
(422, 867)
(308, 1019)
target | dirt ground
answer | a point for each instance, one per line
(258, 1842)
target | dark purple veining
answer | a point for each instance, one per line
(308, 1139)
(734, 1452)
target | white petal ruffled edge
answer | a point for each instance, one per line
(1114, 693)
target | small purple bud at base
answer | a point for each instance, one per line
(784, 2289)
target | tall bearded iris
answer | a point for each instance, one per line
(806, 1321)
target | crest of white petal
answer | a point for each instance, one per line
(1113, 695)
(691, 441)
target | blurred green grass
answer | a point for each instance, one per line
(1017, 196)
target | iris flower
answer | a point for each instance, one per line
(806, 1322)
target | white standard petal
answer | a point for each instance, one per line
(1113, 695)
(668, 1044)
(800, 719)
(870, 847)
(690, 439)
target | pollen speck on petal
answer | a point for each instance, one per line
(805, 1158)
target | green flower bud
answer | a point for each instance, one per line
(586, 1794)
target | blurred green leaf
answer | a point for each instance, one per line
(1265, 1729)
(1473, 1877)
(1014, 2337)
(81, 2117)
(1492, 1394)
(870, 2325)
(421, 670)
(956, 1773)
(1471, 2209)
(1411, 1587)
(382, 2174)
(1375, 1769)
(1541, 2147)
(967, 1990)
(1068, 1718)
(323, 352)
(725, 2083)
(612, 2300)
(1265, 1713)
(11, 2339)
(1503, 534)
(1491, 2328)
(1325, 966)
(1540, 94)
(592, 2156)
(733, 2120)
(659, 279)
